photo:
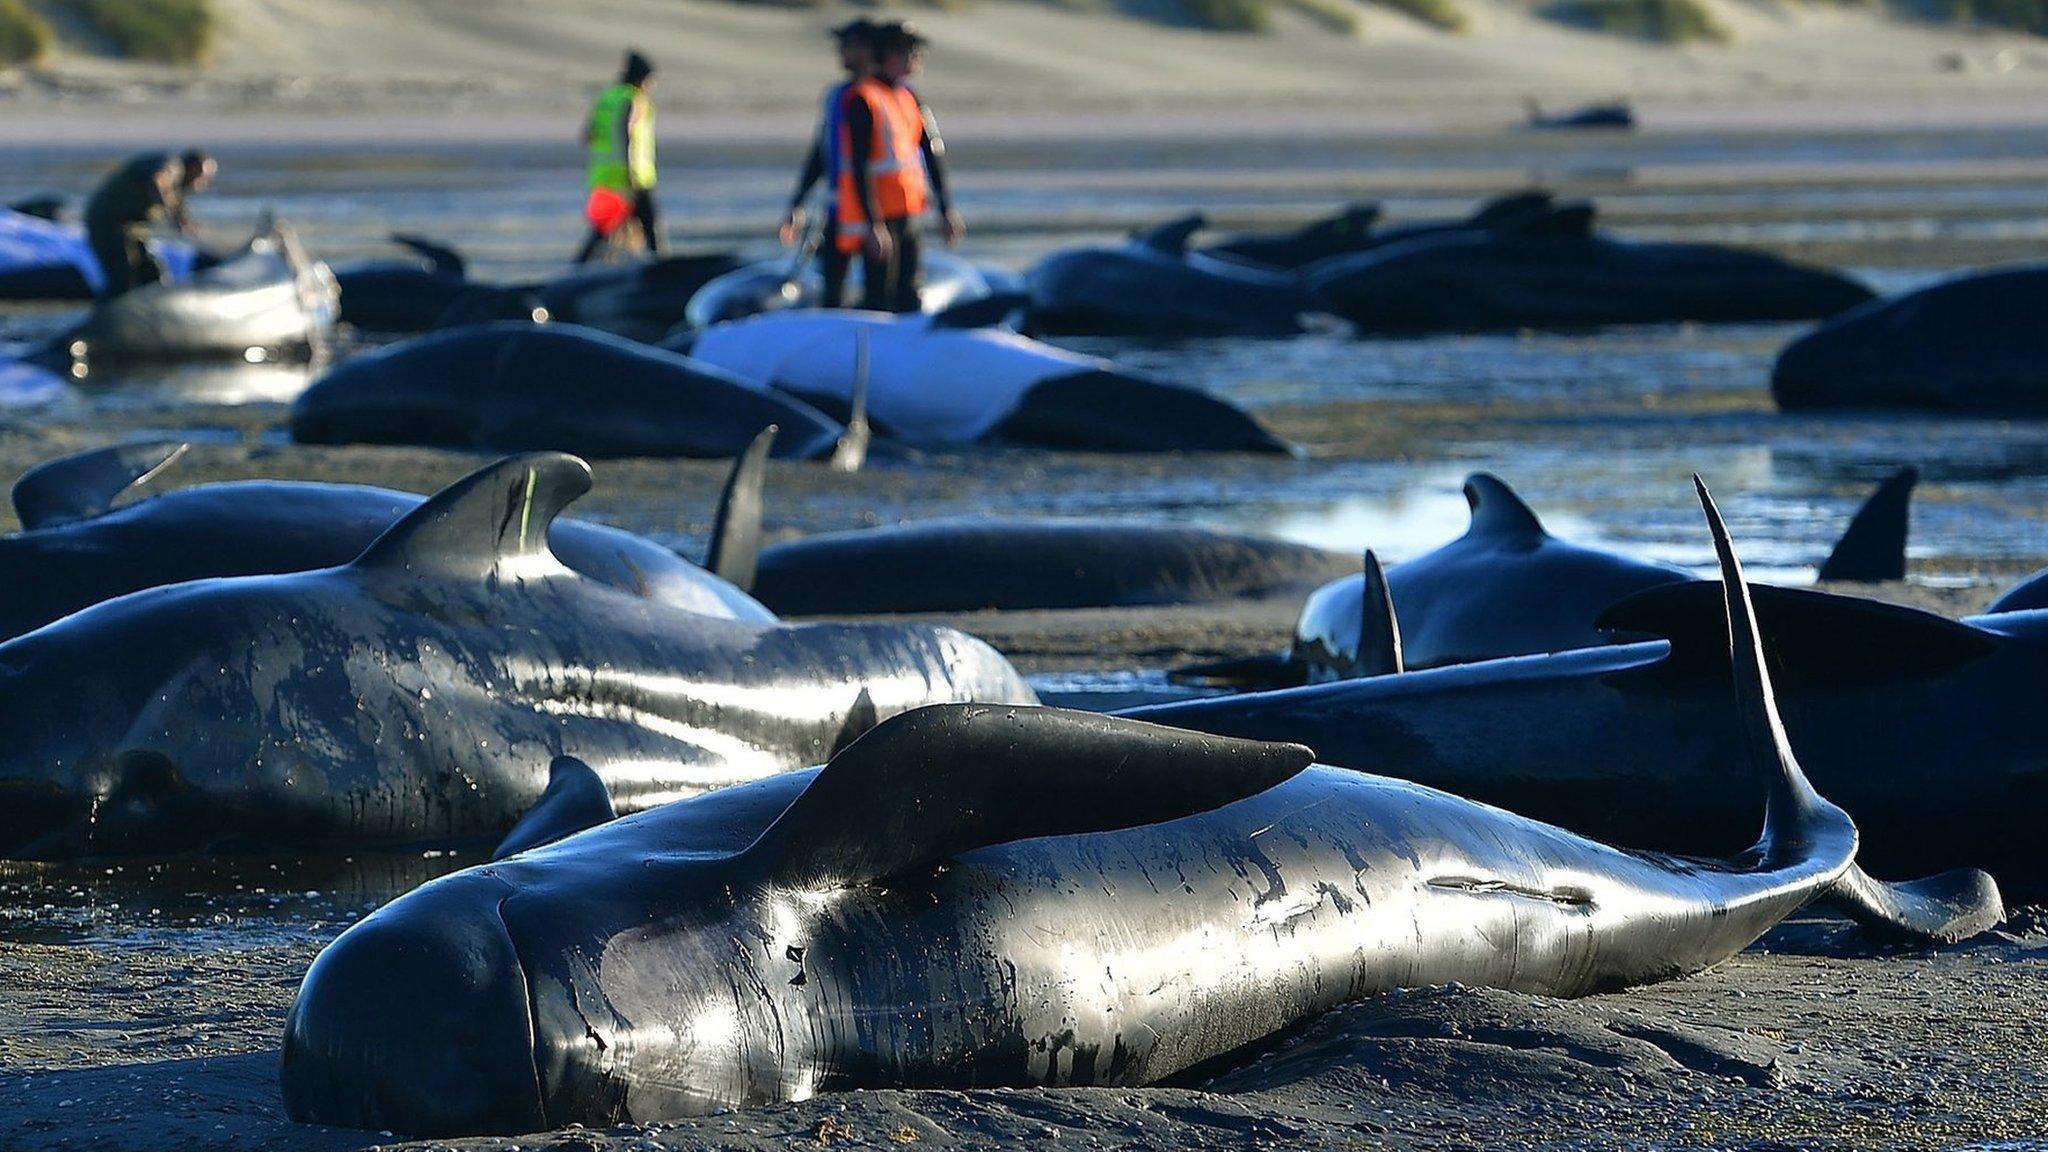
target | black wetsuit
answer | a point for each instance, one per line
(119, 214)
(833, 264)
(892, 285)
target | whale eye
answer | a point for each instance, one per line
(794, 953)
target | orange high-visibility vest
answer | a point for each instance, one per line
(895, 161)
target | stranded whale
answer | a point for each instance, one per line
(76, 549)
(419, 692)
(933, 384)
(1972, 344)
(1925, 729)
(1507, 587)
(974, 896)
(510, 386)
(967, 564)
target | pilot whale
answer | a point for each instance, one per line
(1971, 344)
(510, 386)
(77, 549)
(419, 692)
(967, 564)
(974, 896)
(1926, 729)
(931, 383)
(1555, 271)
(1507, 587)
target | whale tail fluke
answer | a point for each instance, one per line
(1379, 628)
(735, 551)
(576, 798)
(444, 260)
(86, 484)
(995, 310)
(1874, 546)
(1798, 822)
(1942, 909)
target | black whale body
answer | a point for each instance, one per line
(76, 550)
(1153, 286)
(419, 692)
(973, 897)
(1349, 230)
(967, 564)
(402, 295)
(510, 387)
(1972, 344)
(1557, 273)
(941, 382)
(1507, 587)
(1924, 728)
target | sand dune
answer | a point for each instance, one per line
(512, 58)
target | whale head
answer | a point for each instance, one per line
(714, 953)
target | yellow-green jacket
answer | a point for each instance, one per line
(621, 139)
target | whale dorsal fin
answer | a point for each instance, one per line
(497, 514)
(1813, 637)
(1573, 221)
(1874, 547)
(928, 785)
(446, 261)
(1496, 510)
(86, 484)
(1171, 238)
(736, 529)
(1379, 629)
(576, 798)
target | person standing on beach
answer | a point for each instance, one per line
(141, 192)
(620, 137)
(856, 41)
(893, 168)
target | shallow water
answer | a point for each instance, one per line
(1600, 431)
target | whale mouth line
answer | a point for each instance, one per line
(1564, 896)
(526, 996)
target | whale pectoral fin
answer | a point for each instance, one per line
(86, 484)
(1379, 629)
(850, 454)
(1945, 908)
(1267, 670)
(575, 799)
(1171, 238)
(736, 529)
(495, 514)
(1814, 636)
(933, 783)
(1496, 509)
(445, 261)
(1874, 546)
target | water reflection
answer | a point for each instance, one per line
(206, 905)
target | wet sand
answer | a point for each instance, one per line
(140, 1008)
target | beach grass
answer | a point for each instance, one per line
(1658, 21)
(164, 31)
(24, 36)
(1229, 15)
(1334, 15)
(2016, 15)
(1442, 14)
